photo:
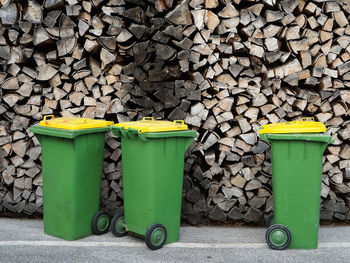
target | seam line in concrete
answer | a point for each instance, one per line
(132, 244)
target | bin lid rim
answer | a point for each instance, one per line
(303, 126)
(151, 125)
(73, 123)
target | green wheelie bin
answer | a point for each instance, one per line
(153, 163)
(72, 158)
(297, 148)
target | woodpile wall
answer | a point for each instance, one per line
(225, 67)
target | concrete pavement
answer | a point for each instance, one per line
(25, 241)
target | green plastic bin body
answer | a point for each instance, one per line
(153, 165)
(71, 169)
(297, 176)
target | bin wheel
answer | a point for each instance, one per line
(100, 223)
(155, 236)
(278, 237)
(118, 225)
(270, 220)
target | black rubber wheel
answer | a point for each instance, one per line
(270, 220)
(278, 237)
(155, 236)
(100, 223)
(117, 226)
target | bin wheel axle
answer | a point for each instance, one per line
(270, 220)
(278, 237)
(100, 223)
(155, 236)
(118, 225)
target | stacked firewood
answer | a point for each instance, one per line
(225, 67)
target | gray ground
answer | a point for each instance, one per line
(25, 241)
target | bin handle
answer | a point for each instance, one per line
(308, 119)
(131, 133)
(143, 137)
(51, 117)
(139, 132)
(123, 132)
(179, 122)
(133, 130)
(148, 119)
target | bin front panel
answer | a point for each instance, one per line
(152, 183)
(71, 171)
(297, 176)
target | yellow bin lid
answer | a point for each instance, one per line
(73, 123)
(306, 125)
(148, 124)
